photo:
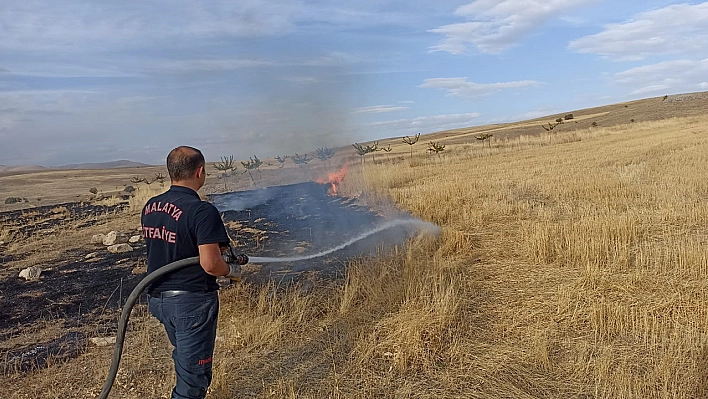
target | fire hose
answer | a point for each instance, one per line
(123, 321)
(171, 267)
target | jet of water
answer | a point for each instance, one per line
(426, 226)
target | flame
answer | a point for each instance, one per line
(334, 179)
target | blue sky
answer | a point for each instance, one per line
(100, 80)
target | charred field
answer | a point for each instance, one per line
(81, 291)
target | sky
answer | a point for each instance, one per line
(102, 80)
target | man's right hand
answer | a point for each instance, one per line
(234, 261)
(234, 272)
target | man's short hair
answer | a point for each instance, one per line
(183, 162)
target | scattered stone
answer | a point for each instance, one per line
(92, 255)
(119, 248)
(134, 239)
(115, 237)
(103, 341)
(139, 270)
(31, 273)
(97, 238)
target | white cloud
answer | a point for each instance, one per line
(664, 77)
(70, 70)
(463, 88)
(214, 65)
(493, 26)
(80, 25)
(377, 109)
(428, 123)
(676, 29)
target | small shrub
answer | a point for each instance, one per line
(93, 190)
(568, 116)
(12, 200)
(594, 124)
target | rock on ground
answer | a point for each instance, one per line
(31, 273)
(103, 341)
(115, 237)
(97, 238)
(119, 248)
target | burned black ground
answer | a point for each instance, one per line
(301, 220)
(76, 298)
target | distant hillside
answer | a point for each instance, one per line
(21, 168)
(644, 110)
(104, 165)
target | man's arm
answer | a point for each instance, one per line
(211, 260)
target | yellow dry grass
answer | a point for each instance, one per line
(568, 266)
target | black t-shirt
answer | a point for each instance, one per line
(174, 224)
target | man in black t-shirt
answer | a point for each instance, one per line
(178, 225)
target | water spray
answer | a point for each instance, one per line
(428, 227)
(180, 264)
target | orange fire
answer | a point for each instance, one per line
(334, 179)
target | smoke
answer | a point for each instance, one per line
(299, 227)
(287, 115)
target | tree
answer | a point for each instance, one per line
(386, 149)
(410, 141)
(324, 154)
(281, 160)
(252, 163)
(362, 150)
(437, 148)
(550, 127)
(301, 160)
(226, 164)
(159, 177)
(484, 136)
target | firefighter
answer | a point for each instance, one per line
(178, 225)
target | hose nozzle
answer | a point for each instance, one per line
(230, 256)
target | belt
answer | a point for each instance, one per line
(169, 293)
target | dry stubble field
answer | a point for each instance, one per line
(569, 265)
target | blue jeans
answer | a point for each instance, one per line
(190, 321)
